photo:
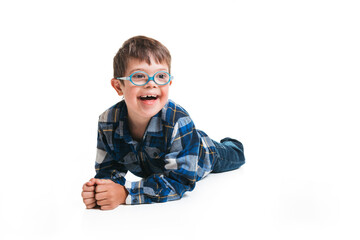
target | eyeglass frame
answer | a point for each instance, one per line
(129, 78)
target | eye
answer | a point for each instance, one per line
(163, 76)
(138, 76)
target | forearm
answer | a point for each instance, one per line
(155, 189)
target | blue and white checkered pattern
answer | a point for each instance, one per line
(171, 157)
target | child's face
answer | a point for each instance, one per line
(140, 108)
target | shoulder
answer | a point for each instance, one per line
(174, 115)
(113, 114)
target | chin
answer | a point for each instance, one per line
(149, 111)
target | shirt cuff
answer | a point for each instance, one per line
(128, 188)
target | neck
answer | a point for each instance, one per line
(137, 127)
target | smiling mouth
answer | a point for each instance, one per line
(148, 97)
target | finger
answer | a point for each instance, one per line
(92, 205)
(107, 207)
(101, 188)
(91, 182)
(88, 194)
(103, 202)
(100, 196)
(102, 181)
(88, 201)
(88, 189)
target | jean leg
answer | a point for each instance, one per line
(230, 155)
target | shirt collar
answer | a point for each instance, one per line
(155, 126)
(122, 130)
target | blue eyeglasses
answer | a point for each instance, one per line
(141, 78)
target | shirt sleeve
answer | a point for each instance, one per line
(180, 169)
(105, 166)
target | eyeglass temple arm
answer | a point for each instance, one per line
(123, 78)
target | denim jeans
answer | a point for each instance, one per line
(230, 155)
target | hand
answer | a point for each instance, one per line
(108, 194)
(88, 194)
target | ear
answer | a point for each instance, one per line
(170, 83)
(117, 86)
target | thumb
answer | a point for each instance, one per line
(91, 182)
(102, 181)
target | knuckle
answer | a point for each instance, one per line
(85, 195)
(98, 196)
(90, 205)
(100, 203)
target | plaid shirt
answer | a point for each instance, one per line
(171, 157)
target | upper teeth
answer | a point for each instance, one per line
(148, 96)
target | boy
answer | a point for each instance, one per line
(151, 136)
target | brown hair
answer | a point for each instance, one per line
(141, 48)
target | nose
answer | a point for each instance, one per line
(151, 84)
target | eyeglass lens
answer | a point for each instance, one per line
(141, 78)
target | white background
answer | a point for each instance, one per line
(281, 76)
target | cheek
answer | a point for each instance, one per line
(129, 98)
(129, 92)
(165, 92)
